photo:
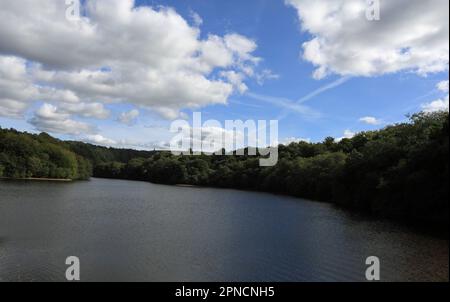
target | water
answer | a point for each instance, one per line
(137, 231)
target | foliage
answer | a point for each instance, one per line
(24, 155)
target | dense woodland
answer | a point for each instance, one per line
(400, 171)
(24, 155)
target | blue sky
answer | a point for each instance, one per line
(383, 93)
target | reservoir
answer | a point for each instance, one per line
(138, 231)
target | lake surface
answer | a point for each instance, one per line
(137, 231)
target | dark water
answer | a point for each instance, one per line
(136, 231)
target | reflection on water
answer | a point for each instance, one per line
(136, 231)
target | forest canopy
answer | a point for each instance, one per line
(24, 155)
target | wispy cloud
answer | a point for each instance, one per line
(297, 106)
(324, 88)
(245, 104)
(286, 104)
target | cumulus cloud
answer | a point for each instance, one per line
(437, 105)
(98, 139)
(16, 89)
(116, 52)
(236, 79)
(442, 86)
(128, 117)
(370, 120)
(347, 134)
(93, 110)
(412, 35)
(441, 104)
(49, 119)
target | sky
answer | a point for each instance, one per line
(124, 70)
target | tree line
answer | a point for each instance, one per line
(26, 155)
(400, 171)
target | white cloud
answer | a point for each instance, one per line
(236, 79)
(98, 139)
(265, 75)
(198, 21)
(441, 104)
(347, 134)
(167, 113)
(93, 110)
(242, 47)
(128, 117)
(370, 120)
(147, 56)
(412, 35)
(443, 86)
(16, 89)
(49, 119)
(214, 52)
(11, 108)
(58, 95)
(437, 105)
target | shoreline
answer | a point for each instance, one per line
(37, 179)
(186, 186)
